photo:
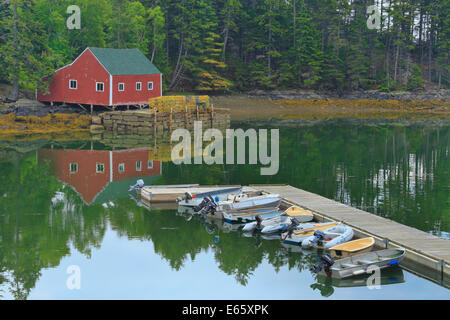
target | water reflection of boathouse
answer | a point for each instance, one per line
(100, 175)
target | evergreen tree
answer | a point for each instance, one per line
(24, 46)
(202, 43)
(331, 72)
(309, 53)
(217, 45)
(443, 43)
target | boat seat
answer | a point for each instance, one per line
(333, 234)
(349, 265)
(365, 261)
(380, 259)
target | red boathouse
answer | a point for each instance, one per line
(105, 77)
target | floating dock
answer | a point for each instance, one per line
(427, 255)
(156, 194)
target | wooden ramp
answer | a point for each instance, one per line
(423, 249)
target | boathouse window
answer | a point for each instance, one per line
(150, 164)
(100, 168)
(138, 86)
(150, 85)
(72, 84)
(138, 165)
(121, 86)
(121, 167)
(100, 86)
(73, 167)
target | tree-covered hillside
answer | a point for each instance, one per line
(222, 45)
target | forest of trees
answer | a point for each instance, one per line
(238, 45)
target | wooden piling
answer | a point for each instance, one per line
(154, 120)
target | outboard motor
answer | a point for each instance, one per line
(319, 235)
(139, 184)
(209, 208)
(202, 205)
(187, 196)
(325, 264)
(290, 228)
(259, 220)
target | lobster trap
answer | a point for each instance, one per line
(179, 103)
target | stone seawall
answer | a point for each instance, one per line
(158, 143)
(145, 121)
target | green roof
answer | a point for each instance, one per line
(124, 61)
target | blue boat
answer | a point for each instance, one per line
(248, 215)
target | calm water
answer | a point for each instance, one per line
(52, 218)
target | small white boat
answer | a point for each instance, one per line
(244, 203)
(279, 223)
(352, 248)
(387, 277)
(191, 201)
(241, 205)
(359, 264)
(297, 236)
(329, 238)
(244, 216)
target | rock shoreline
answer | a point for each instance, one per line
(421, 95)
(353, 121)
(27, 107)
(30, 107)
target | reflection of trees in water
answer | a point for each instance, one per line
(238, 256)
(2, 283)
(325, 287)
(393, 171)
(23, 207)
(80, 225)
(35, 232)
(40, 226)
(401, 176)
(400, 172)
(176, 240)
(173, 238)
